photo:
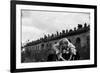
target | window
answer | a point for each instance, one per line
(42, 45)
(78, 44)
(78, 40)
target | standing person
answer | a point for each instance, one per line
(52, 56)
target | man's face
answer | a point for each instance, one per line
(65, 45)
(64, 51)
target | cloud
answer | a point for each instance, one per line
(31, 33)
(39, 22)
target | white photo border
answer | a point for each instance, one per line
(51, 64)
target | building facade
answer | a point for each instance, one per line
(40, 49)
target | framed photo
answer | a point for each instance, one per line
(52, 36)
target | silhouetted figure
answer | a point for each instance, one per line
(76, 57)
(52, 57)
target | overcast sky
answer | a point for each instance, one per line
(37, 23)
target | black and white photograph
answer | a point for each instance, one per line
(54, 35)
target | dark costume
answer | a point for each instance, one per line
(52, 57)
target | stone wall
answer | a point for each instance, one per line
(40, 49)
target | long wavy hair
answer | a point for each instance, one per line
(58, 49)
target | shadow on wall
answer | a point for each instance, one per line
(84, 51)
